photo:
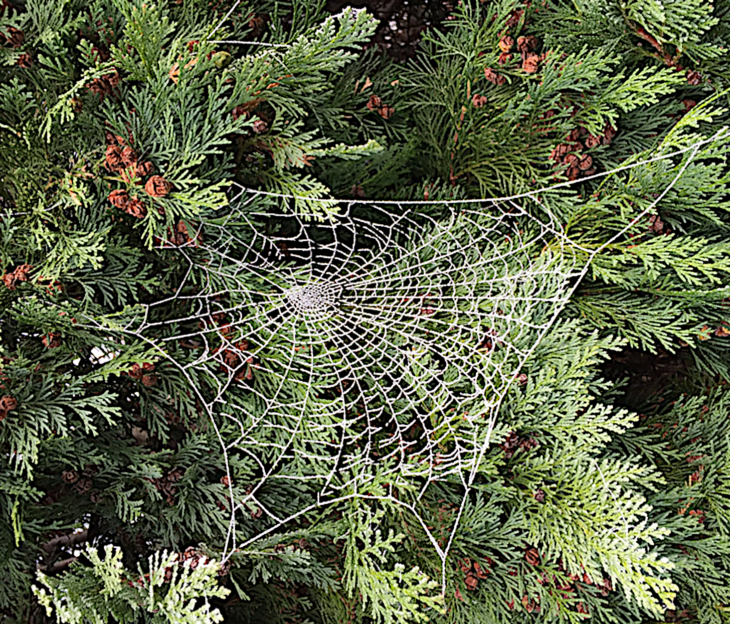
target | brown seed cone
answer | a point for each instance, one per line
(491, 75)
(585, 163)
(135, 208)
(180, 234)
(9, 280)
(25, 61)
(149, 380)
(532, 556)
(119, 198)
(477, 101)
(609, 132)
(526, 44)
(113, 158)
(506, 43)
(481, 572)
(386, 112)
(374, 102)
(157, 186)
(20, 274)
(7, 404)
(514, 18)
(129, 156)
(16, 37)
(504, 58)
(259, 126)
(83, 486)
(113, 79)
(528, 604)
(145, 168)
(70, 476)
(529, 65)
(52, 340)
(592, 141)
(694, 77)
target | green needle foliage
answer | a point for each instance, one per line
(129, 128)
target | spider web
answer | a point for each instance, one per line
(355, 336)
(366, 354)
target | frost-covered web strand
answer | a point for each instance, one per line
(223, 21)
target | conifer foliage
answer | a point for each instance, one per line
(136, 136)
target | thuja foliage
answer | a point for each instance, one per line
(104, 590)
(124, 129)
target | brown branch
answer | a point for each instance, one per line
(63, 541)
(57, 566)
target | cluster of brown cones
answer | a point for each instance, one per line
(143, 373)
(234, 361)
(233, 356)
(515, 442)
(167, 484)
(375, 103)
(570, 151)
(474, 571)
(179, 236)
(121, 158)
(105, 85)
(14, 39)
(82, 483)
(20, 274)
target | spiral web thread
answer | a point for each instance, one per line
(377, 345)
